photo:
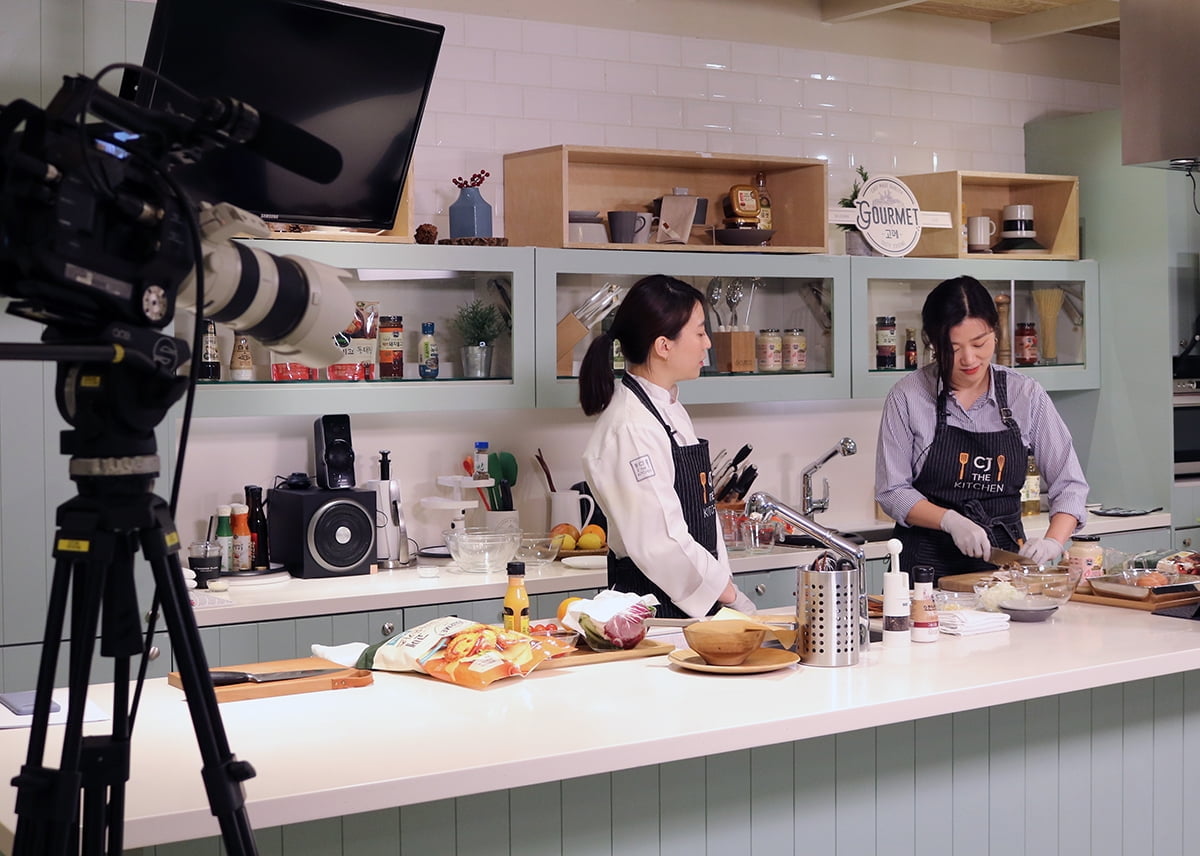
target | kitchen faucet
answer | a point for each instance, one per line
(809, 505)
(772, 509)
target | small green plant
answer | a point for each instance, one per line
(849, 201)
(478, 323)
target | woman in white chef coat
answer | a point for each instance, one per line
(644, 464)
(953, 443)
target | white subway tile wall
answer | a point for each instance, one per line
(505, 85)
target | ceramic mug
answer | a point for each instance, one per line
(979, 233)
(642, 234)
(565, 507)
(623, 225)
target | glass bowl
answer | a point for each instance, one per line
(955, 600)
(1055, 583)
(482, 551)
(538, 549)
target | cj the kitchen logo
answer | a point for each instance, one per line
(982, 473)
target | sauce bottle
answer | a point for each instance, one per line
(1086, 555)
(210, 354)
(239, 524)
(260, 554)
(241, 361)
(225, 538)
(1031, 491)
(765, 221)
(427, 351)
(516, 599)
(924, 618)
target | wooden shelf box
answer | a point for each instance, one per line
(1055, 201)
(542, 186)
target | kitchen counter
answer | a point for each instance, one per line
(281, 597)
(409, 739)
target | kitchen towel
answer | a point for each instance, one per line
(971, 622)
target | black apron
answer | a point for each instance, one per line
(977, 474)
(693, 486)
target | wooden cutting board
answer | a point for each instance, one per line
(317, 683)
(964, 582)
(583, 655)
(1149, 604)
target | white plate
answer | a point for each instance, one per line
(586, 563)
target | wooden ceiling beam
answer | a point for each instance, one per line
(1064, 19)
(837, 11)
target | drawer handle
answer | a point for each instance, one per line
(153, 652)
(760, 589)
(1187, 542)
(388, 628)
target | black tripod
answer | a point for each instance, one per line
(79, 807)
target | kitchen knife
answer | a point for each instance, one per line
(506, 499)
(742, 487)
(1007, 557)
(741, 455)
(228, 678)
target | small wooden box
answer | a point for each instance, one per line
(542, 186)
(734, 351)
(570, 333)
(1055, 201)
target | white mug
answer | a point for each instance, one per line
(641, 235)
(565, 508)
(979, 232)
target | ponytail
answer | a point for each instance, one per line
(596, 383)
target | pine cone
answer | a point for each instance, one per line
(426, 234)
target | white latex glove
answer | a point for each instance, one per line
(743, 604)
(969, 537)
(1041, 551)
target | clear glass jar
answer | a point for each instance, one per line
(1086, 555)
(795, 350)
(768, 350)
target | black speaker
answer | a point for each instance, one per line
(334, 451)
(322, 533)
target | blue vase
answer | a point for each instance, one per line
(470, 215)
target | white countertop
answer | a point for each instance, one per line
(409, 739)
(279, 596)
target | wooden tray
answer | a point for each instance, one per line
(334, 681)
(566, 554)
(1148, 605)
(583, 655)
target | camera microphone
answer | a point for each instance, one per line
(277, 140)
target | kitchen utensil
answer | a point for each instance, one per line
(481, 551)
(494, 473)
(506, 499)
(741, 455)
(755, 282)
(716, 290)
(541, 460)
(963, 457)
(586, 563)
(762, 660)
(469, 468)
(743, 237)
(827, 606)
(725, 643)
(565, 508)
(999, 468)
(622, 225)
(732, 299)
(222, 678)
(1007, 557)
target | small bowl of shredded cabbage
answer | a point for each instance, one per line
(993, 592)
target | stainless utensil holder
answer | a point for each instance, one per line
(827, 617)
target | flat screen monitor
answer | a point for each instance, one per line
(355, 79)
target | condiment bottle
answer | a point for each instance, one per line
(1031, 491)
(765, 220)
(768, 350)
(210, 354)
(1027, 344)
(516, 599)
(795, 350)
(923, 612)
(885, 342)
(479, 461)
(241, 361)
(239, 522)
(225, 538)
(910, 348)
(427, 351)
(1086, 555)
(391, 346)
(260, 551)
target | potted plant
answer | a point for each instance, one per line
(856, 245)
(479, 324)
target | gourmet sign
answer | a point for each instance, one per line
(887, 214)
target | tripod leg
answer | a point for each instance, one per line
(223, 774)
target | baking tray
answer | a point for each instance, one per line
(1171, 591)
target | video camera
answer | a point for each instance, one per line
(98, 242)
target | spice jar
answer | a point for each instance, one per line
(795, 350)
(1027, 344)
(885, 342)
(1086, 555)
(768, 349)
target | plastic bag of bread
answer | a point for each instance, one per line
(461, 652)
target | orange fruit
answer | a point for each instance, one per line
(593, 529)
(566, 529)
(562, 607)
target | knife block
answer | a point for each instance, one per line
(570, 333)
(733, 351)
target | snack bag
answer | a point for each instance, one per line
(461, 652)
(358, 342)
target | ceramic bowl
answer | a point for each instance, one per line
(1034, 607)
(728, 642)
(482, 551)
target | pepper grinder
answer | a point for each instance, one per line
(1004, 345)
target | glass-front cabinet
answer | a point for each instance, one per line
(1049, 315)
(409, 285)
(776, 321)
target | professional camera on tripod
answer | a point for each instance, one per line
(100, 244)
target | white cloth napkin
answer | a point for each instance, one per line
(971, 622)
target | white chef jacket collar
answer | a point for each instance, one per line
(657, 393)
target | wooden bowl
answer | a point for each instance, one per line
(725, 643)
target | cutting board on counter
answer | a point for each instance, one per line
(584, 655)
(1148, 604)
(344, 679)
(964, 582)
